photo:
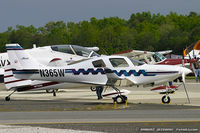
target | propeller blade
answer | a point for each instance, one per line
(183, 78)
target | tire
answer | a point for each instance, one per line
(93, 88)
(166, 99)
(125, 97)
(120, 99)
(7, 98)
(51, 90)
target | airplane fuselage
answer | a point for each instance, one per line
(85, 72)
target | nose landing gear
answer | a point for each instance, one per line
(166, 99)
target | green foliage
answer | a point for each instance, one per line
(142, 31)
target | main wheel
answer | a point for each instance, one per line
(121, 99)
(7, 98)
(51, 90)
(166, 99)
(93, 88)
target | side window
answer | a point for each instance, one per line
(156, 58)
(98, 63)
(118, 62)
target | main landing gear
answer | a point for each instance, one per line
(166, 90)
(120, 99)
(52, 91)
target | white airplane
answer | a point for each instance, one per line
(146, 56)
(3, 63)
(60, 54)
(159, 58)
(97, 71)
(54, 55)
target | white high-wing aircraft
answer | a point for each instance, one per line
(97, 71)
(146, 56)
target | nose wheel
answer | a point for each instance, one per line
(166, 99)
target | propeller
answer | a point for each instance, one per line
(183, 79)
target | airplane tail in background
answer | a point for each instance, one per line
(20, 59)
(193, 50)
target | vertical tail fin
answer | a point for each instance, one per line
(19, 58)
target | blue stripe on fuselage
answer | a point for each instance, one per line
(25, 72)
(102, 71)
(132, 72)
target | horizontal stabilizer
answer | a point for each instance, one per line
(11, 82)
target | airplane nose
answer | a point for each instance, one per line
(185, 70)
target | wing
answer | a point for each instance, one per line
(137, 54)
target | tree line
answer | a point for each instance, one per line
(142, 31)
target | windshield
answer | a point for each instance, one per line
(158, 57)
(75, 50)
(62, 48)
(82, 51)
(136, 62)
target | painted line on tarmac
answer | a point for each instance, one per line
(101, 122)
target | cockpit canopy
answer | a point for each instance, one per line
(136, 62)
(75, 50)
(158, 57)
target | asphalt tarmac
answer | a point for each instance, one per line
(80, 110)
(174, 120)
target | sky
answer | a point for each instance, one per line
(40, 12)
